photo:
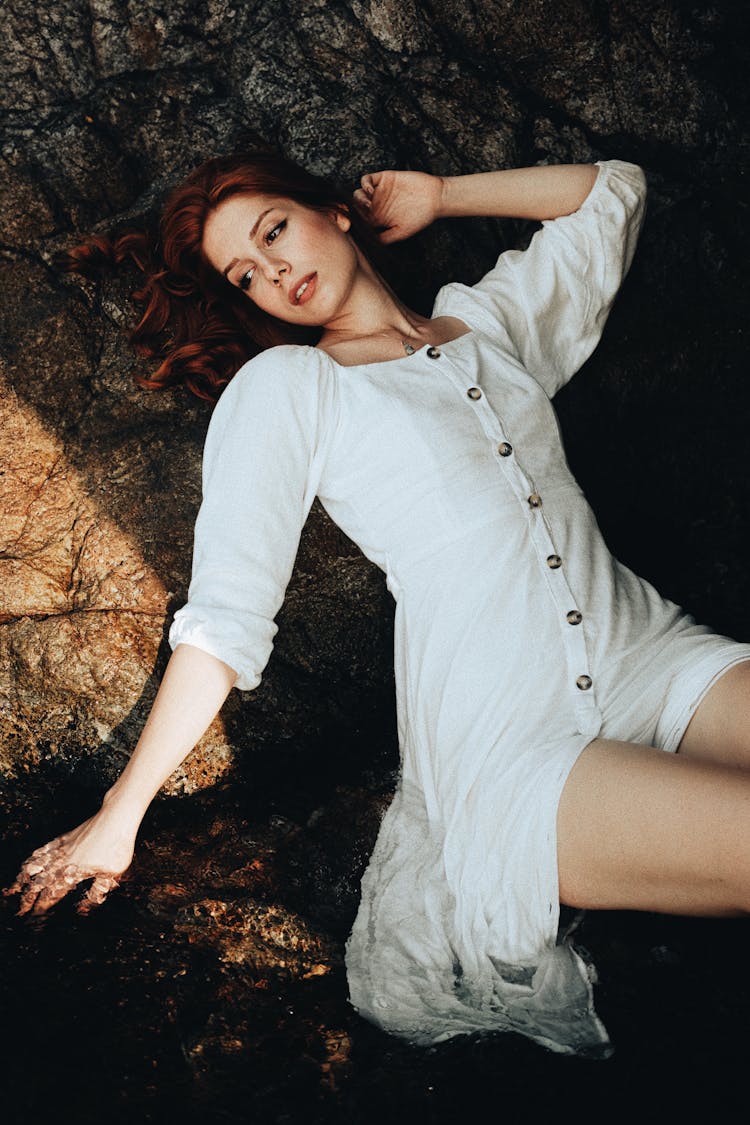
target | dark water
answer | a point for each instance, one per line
(209, 988)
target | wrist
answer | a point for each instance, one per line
(121, 805)
(445, 191)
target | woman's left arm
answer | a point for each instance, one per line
(398, 204)
(540, 193)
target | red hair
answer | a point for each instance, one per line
(197, 323)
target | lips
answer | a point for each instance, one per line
(307, 287)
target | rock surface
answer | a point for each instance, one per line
(209, 988)
(105, 104)
(235, 965)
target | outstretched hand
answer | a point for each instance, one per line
(95, 850)
(398, 204)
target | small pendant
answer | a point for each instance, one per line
(408, 348)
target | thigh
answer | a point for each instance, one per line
(641, 829)
(719, 730)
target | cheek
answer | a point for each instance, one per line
(326, 238)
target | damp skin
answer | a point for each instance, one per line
(47, 876)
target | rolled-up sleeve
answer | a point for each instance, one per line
(264, 454)
(551, 301)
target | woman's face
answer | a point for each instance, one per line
(294, 262)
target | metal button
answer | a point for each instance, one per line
(535, 500)
(434, 353)
(505, 449)
(553, 561)
(583, 683)
(474, 392)
(574, 617)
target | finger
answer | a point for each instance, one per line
(361, 199)
(51, 887)
(45, 849)
(97, 892)
(42, 891)
(369, 182)
(390, 234)
(29, 888)
(43, 867)
(29, 870)
(40, 858)
(34, 874)
(49, 896)
(29, 898)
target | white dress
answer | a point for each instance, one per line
(518, 637)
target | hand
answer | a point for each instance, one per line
(100, 848)
(398, 204)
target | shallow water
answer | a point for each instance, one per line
(210, 987)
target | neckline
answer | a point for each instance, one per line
(401, 358)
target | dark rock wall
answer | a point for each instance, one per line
(106, 103)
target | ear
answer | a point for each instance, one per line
(340, 216)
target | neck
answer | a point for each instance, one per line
(373, 309)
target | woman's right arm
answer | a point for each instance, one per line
(264, 453)
(192, 691)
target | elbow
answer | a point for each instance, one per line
(639, 180)
(636, 176)
(639, 187)
(590, 173)
(627, 181)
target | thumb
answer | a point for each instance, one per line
(390, 234)
(97, 892)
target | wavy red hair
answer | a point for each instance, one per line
(200, 326)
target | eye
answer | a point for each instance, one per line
(244, 282)
(274, 233)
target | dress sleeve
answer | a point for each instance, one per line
(264, 454)
(550, 302)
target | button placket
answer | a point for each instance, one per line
(576, 654)
(492, 425)
(574, 641)
(580, 673)
(494, 429)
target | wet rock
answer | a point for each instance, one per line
(265, 939)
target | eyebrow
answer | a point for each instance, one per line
(253, 233)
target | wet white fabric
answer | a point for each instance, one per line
(518, 637)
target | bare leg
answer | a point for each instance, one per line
(719, 731)
(643, 830)
(640, 829)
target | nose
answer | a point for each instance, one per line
(274, 272)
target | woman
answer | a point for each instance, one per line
(537, 678)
